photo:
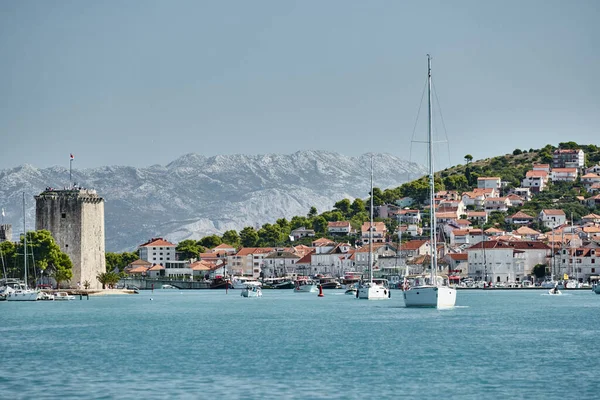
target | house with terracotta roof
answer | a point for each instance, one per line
(223, 247)
(458, 263)
(591, 232)
(156, 271)
(494, 232)
(477, 197)
(590, 179)
(157, 251)
(520, 218)
(466, 236)
(477, 217)
(536, 181)
(384, 251)
(248, 261)
(515, 201)
(552, 218)
(564, 174)
(413, 248)
(502, 261)
(579, 262)
(138, 263)
(339, 228)
(591, 218)
(378, 229)
(541, 167)
(139, 270)
(526, 233)
(593, 202)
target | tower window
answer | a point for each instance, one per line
(63, 215)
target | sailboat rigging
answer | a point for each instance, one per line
(372, 290)
(430, 291)
(23, 293)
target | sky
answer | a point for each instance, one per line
(143, 82)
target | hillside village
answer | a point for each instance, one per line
(469, 247)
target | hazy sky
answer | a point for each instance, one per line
(144, 82)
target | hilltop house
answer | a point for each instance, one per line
(552, 218)
(568, 158)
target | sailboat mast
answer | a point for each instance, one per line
(24, 242)
(371, 229)
(432, 223)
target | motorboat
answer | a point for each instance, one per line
(166, 286)
(251, 291)
(305, 285)
(554, 291)
(241, 282)
(45, 296)
(63, 296)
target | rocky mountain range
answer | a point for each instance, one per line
(195, 196)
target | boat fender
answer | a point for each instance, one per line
(384, 292)
(357, 293)
(389, 294)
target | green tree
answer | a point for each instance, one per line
(249, 237)
(358, 206)
(270, 235)
(312, 212)
(188, 249)
(61, 269)
(210, 241)
(300, 221)
(232, 238)
(468, 159)
(320, 225)
(343, 206)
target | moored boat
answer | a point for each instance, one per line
(305, 285)
(251, 291)
(63, 296)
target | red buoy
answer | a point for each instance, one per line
(320, 290)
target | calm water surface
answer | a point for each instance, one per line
(285, 345)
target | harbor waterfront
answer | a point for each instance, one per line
(214, 344)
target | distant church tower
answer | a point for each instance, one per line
(75, 218)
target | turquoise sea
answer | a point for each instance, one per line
(207, 344)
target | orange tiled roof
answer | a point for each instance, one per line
(157, 242)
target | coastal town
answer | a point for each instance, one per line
(563, 250)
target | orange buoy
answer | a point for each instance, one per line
(321, 291)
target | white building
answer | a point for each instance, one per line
(157, 251)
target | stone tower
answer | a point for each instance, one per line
(6, 232)
(75, 218)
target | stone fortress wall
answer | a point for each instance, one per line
(75, 218)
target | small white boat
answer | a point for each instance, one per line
(241, 282)
(63, 296)
(305, 285)
(554, 291)
(45, 296)
(251, 291)
(168, 287)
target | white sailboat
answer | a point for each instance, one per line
(430, 291)
(22, 292)
(372, 290)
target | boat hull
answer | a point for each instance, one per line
(308, 288)
(372, 291)
(430, 297)
(251, 292)
(23, 295)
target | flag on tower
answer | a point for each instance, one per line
(72, 156)
(3, 213)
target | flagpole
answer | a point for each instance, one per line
(70, 169)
